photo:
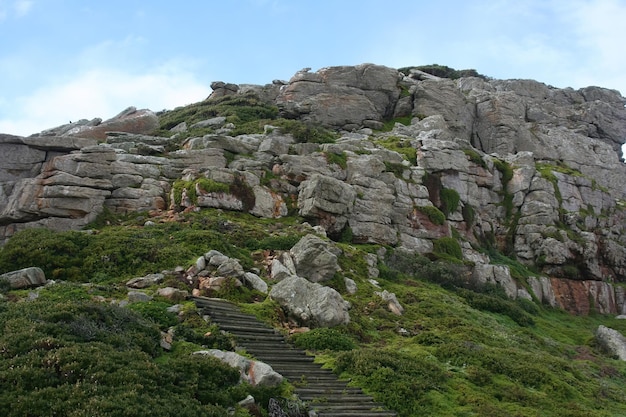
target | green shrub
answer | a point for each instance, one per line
(57, 254)
(5, 286)
(303, 132)
(205, 184)
(400, 381)
(395, 168)
(388, 125)
(447, 248)
(475, 157)
(497, 304)
(449, 201)
(505, 169)
(324, 339)
(468, 215)
(282, 242)
(238, 109)
(434, 214)
(155, 311)
(443, 71)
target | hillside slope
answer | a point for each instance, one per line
(457, 217)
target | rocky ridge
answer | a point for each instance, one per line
(516, 165)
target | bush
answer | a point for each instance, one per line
(447, 248)
(497, 304)
(303, 132)
(449, 201)
(434, 214)
(324, 339)
(400, 381)
(155, 311)
(80, 359)
(57, 254)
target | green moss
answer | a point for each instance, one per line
(303, 132)
(434, 214)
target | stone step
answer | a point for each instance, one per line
(328, 390)
(266, 337)
(371, 407)
(228, 316)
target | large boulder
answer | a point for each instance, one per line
(314, 258)
(612, 341)
(255, 373)
(25, 278)
(310, 303)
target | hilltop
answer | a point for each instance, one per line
(465, 233)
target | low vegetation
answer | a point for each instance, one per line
(459, 349)
(76, 347)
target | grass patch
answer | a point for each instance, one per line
(401, 145)
(388, 125)
(475, 157)
(339, 159)
(324, 339)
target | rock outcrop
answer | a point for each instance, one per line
(531, 170)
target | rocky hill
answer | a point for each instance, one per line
(420, 231)
(371, 155)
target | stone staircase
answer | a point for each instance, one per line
(323, 392)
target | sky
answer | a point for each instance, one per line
(65, 60)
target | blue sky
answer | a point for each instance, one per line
(63, 60)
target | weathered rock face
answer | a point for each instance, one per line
(130, 120)
(532, 170)
(342, 96)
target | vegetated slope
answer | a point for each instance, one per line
(454, 351)
(459, 348)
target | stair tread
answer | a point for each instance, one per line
(325, 392)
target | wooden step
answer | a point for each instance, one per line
(320, 388)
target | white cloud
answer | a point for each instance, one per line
(22, 7)
(599, 31)
(101, 93)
